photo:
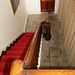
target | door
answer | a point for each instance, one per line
(47, 5)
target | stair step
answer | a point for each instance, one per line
(4, 73)
(25, 41)
(10, 59)
(22, 41)
(29, 34)
(18, 47)
(24, 37)
(21, 44)
(5, 68)
(16, 52)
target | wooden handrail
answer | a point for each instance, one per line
(47, 72)
(29, 55)
(17, 67)
(30, 59)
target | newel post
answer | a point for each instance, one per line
(17, 67)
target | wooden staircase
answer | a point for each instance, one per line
(26, 67)
(24, 57)
(18, 51)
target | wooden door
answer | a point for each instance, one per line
(47, 5)
(51, 5)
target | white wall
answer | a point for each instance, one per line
(11, 25)
(33, 6)
(56, 6)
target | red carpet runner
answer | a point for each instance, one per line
(18, 51)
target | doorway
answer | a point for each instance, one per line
(47, 5)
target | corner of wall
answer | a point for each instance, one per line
(56, 6)
(24, 29)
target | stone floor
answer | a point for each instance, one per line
(34, 21)
(52, 53)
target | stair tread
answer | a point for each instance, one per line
(17, 47)
(16, 52)
(8, 58)
(21, 44)
(4, 73)
(5, 67)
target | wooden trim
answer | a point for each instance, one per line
(31, 56)
(48, 72)
(17, 67)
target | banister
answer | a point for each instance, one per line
(29, 54)
(18, 66)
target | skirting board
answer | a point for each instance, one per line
(10, 42)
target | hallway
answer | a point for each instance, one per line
(52, 53)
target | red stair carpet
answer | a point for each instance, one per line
(18, 51)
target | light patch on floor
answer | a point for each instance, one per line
(39, 58)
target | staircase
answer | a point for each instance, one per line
(18, 51)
